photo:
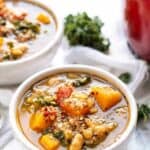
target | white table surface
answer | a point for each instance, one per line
(111, 12)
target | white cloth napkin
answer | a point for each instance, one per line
(85, 55)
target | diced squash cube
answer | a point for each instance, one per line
(43, 18)
(22, 47)
(1, 41)
(16, 52)
(19, 51)
(38, 122)
(49, 142)
(106, 97)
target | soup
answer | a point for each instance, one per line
(74, 111)
(25, 28)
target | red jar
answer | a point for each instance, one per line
(137, 14)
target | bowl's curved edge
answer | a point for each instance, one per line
(80, 68)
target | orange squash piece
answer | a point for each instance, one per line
(106, 97)
(1, 41)
(38, 122)
(43, 18)
(49, 142)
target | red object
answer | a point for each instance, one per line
(64, 92)
(137, 14)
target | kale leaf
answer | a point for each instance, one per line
(80, 29)
(143, 112)
(125, 77)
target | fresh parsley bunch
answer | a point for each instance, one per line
(80, 29)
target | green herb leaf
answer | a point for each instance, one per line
(47, 131)
(26, 25)
(80, 29)
(143, 112)
(10, 45)
(82, 81)
(6, 56)
(45, 101)
(39, 101)
(61, 137)
(125, 77)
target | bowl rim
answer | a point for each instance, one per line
(79, 68)
(59, 33)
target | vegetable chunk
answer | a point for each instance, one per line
(43, 18)
(106, 97)
(49, 142)
(42, 119)
(38, 122)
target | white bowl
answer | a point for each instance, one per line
(119, 144)
(14, 72)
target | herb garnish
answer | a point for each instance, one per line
(6, 56)
(125, 77)
(44, 101)
(61, 137)
(25, 25)
(143, 112)
(10, 45)
(82, 81)
(80, 29)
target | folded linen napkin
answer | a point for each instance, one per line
(85, 55)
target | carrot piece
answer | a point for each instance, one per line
(106, 97)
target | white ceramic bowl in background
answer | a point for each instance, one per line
(120, 144)
(17, 71)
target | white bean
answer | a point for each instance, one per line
(77, 142)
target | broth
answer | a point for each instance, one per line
(116, 116)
